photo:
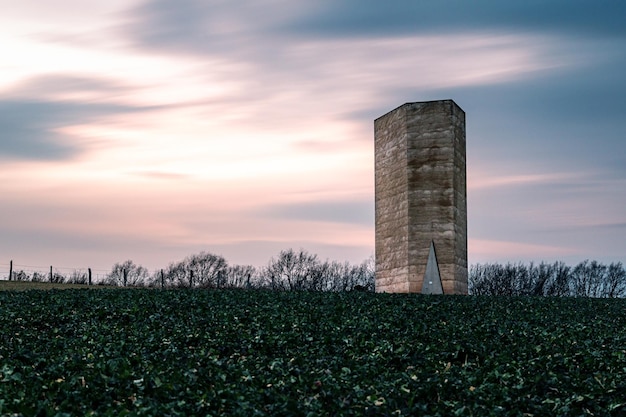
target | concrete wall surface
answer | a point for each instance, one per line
(420, 181)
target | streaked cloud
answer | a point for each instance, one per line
(161, 175)
(482, 180)
(245, 129)
(65, 87)
(35, 113)
(335, 211)
(366, 17)
(611, 226)
(277, 63)
(31, 129)
(494, 250)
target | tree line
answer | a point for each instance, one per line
(291, 270)
(295, 270)
(74, 277)
(587, 279)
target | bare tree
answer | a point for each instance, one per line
(510, 279)
(492, 279)
(557, 284)
(176, 275)
(57, 278)
(301, 270)
(20, 276)
(241, 276)
(203, 269)
(347, 277)
(127, 273)
(587, 279)
(39, 277)
(365, 278)
(206, 270)
(615, 281)
(291, 270)
(78, 277)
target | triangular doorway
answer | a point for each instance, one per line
(432, 279)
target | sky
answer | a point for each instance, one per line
(154, 129)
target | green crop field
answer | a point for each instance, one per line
(257, 353)
(30, 285)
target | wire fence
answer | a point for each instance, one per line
(12, 271)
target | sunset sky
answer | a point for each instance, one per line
(152, 130)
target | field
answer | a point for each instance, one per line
(29, 285)
(247, 353)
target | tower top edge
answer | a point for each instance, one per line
(412, 103)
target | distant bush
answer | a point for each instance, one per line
(587, 279)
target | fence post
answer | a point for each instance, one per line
(11, 270)
(50, 273)
(89, 270)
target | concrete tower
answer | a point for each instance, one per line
(421, 199)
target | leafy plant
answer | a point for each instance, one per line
(257, 353)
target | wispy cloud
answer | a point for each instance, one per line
(279, 64)
(36, 113)
(484, 250)
(66, 87)
(360, 212)
(611, 226)
(205, 125)
(480, 180)
(364, 17)
(31, 129)
(161, 175)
